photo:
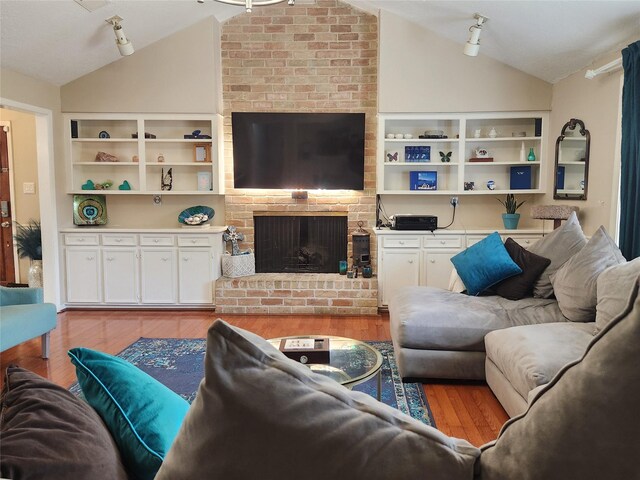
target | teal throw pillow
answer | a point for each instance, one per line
(484, 264)
(142, 415)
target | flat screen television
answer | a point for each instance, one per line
(306, 151)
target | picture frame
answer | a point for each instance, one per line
(202, 152)
(205, 182)
(427, 180)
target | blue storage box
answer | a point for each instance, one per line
(560, 179)
(424, 180)
(520, 178)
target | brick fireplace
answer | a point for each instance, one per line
(305, 58)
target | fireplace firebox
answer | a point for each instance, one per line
(299, 243)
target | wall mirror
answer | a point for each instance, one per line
(572, 162)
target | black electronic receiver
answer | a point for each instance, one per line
(414, 222)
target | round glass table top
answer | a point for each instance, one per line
(350, 361)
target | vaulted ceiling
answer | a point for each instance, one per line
(59, 41)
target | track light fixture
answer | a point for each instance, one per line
(249, 4)
(472, 47)
(123, 43)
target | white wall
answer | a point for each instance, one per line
(596, 103)
(177, 74)
(423, 72)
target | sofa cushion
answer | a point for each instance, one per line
(530, 355)
(142, 414)
(613, 287)
(559, 246)
(584, 423)
(435, 319)
(574, 284)
(49, 433)
(532, 265)
(258, 414)
(484, 264)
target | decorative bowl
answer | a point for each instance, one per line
(196, 215)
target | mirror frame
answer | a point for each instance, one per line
(571, 125)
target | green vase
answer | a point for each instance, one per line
(532, 156)
(510, 220)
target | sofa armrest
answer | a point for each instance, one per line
(20, 296)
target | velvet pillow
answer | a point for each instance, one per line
(484, 264)
(559, 246)
(260, 415)
(574, 284)
(532, 265)
(583, 424)
(142, 414)
(47, 432)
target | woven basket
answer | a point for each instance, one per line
(238, 265)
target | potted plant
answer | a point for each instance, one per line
(28, 240)
(511, 205)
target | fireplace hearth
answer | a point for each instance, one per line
(299, 243)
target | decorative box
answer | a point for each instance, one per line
(423, 180)
(238, 265)
(520, 178)
(306, 350)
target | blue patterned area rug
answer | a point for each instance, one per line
(179, 364)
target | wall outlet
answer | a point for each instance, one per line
(157, 200)
(454, 201)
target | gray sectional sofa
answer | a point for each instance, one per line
(517, 346)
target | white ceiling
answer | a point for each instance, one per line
(59, 41)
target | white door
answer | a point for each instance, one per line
(438, 268)
(195, 275)
(400, 269)
(120, 270)
(82, 266)
(158, 275)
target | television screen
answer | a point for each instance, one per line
(298, 150)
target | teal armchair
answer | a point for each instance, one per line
(23, 316)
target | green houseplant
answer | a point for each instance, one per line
(28, 240)
(511, 205)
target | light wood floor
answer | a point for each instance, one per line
(464, 411)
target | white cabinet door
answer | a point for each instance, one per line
(120, 273)
(83, 275)
(400, 268)
(195, 275)
(158, 275)
(438, 268)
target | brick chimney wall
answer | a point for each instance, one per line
(306, 58)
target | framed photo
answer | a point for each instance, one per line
(424, 180)
(89, 210)
(204, 181)
(202, 152)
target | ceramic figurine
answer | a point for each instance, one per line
(233, 236)
(166, 181)
(491, 185)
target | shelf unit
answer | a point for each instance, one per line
(138, 158)
(465, 132)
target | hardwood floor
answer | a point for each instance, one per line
(460, 410)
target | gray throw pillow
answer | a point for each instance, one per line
(258, 414)
(613, 288)
(583, 424)
(574, 284)
(559, 246)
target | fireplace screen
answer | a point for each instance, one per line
(300, 244)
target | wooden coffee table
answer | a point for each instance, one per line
(351, 361)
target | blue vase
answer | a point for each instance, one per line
(510, 220)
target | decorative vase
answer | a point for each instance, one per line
(510, 220)
(35, 274)
(532, 156)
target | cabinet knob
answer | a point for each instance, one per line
(118, 240)
(401, 242)
(185, 259)
(432, 261)
(527, 242)
(109, 259)
(164, 259)
(442, 242)
(89, 258)
(81, 239)
(193, 240)
(156, 240)
(410, 261)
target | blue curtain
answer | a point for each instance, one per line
(630, 168)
